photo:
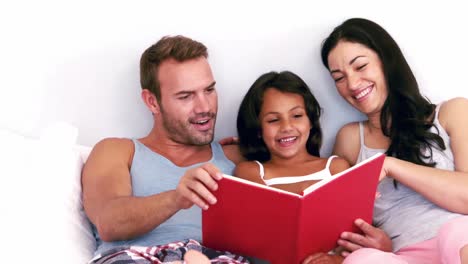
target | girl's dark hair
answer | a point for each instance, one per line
(249, 127)
(409, 115)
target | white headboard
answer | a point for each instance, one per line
(78, 61)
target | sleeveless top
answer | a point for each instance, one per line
(319, 175)
(152, 173)
(405, 215)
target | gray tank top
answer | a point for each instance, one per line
(405, 215)
(152, 173)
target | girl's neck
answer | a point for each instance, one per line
(299, 158)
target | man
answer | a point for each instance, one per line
(142, 192)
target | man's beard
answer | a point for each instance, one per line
(183, 132)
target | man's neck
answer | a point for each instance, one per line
(182, 155)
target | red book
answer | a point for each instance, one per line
(283, 227)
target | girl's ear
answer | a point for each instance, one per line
(150, 101)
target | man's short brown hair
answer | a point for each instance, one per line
(179, 48)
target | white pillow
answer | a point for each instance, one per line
(41, 197)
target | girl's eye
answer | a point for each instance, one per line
(298, 116)
(272, 120)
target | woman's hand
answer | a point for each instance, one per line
(385, 172)
(372, 237)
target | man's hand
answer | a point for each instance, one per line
(372, 238)
(196, 185)
(229, 141)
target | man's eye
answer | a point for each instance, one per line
(184, 97)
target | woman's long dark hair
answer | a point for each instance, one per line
(409, 115)
(249, 127)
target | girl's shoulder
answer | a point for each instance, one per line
(249, 170)
(246, 165)
(338, 164)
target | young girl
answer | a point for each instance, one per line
(280, 135)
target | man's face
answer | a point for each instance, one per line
(189, 102)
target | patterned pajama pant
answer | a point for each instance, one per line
(172, 252)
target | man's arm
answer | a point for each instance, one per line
(108, 200)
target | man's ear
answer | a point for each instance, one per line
(150, 101)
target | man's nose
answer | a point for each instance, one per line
(202, 104)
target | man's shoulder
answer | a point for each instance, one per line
(112, 148)
(114, 144)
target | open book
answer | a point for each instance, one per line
(283, 227)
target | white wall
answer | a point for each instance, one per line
(77, 61)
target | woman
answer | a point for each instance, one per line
(423, 198)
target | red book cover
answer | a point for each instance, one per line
(282, 227)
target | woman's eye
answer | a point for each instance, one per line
(338, 79)
(362, 67)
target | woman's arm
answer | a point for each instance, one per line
(447, 189)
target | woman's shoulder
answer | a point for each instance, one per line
(347, 142)
(453, 112)
(349, 129)
(454, 104)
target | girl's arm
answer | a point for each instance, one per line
(447, 189)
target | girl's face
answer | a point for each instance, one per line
(285, 124)
(359, 77)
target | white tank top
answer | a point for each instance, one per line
(319, 175)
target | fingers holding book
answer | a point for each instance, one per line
(371, 237)
(196, 185)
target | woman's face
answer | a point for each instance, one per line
(359, 78)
